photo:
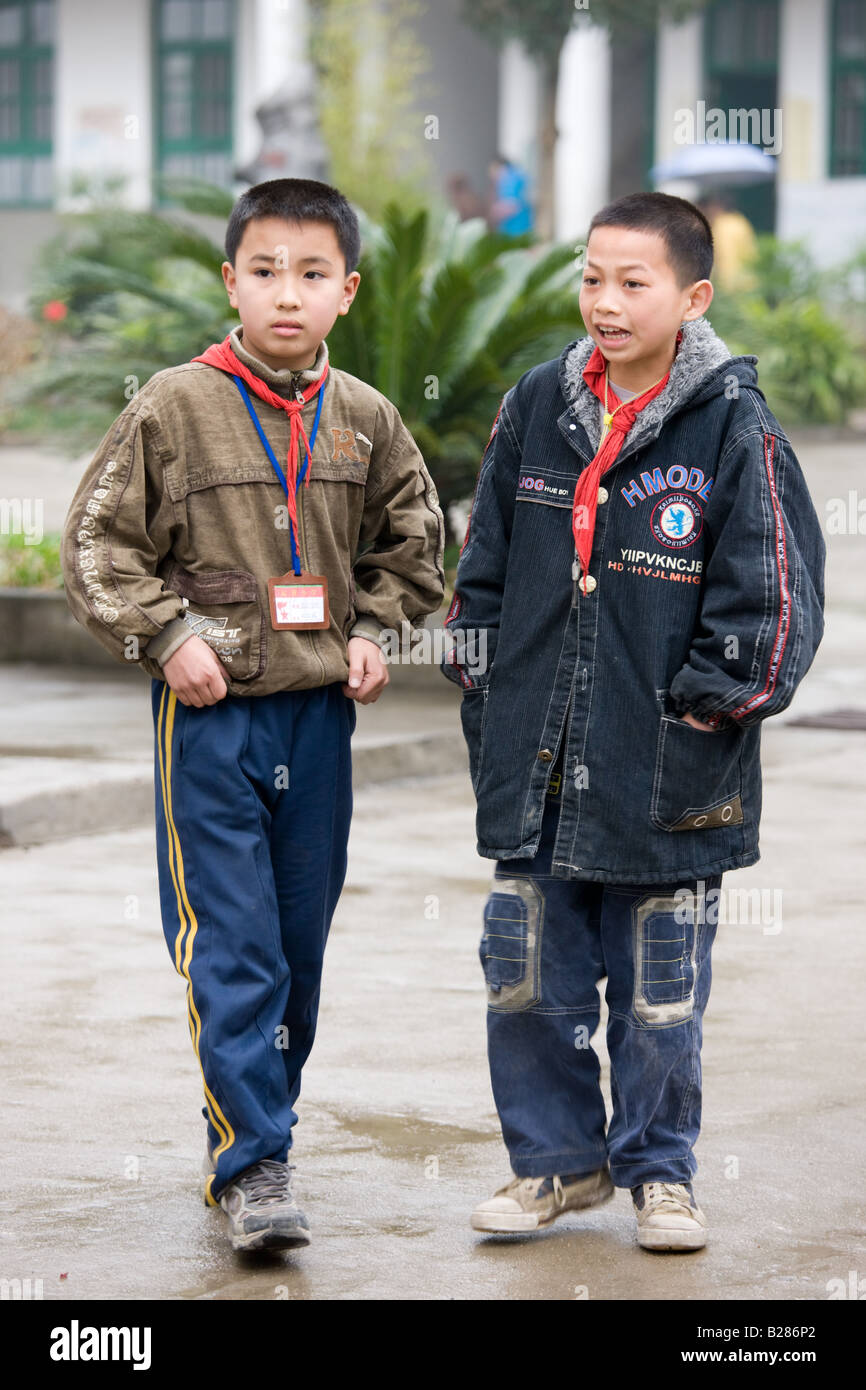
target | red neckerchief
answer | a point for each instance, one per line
(586, 493)
(224, 357)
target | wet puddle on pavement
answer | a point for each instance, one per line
(408, 1136)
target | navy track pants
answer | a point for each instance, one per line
(253, 806)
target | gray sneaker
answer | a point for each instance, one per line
(262, 1211)
(529, 1204)
(668, 1217)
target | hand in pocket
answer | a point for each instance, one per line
(689, 718)
(196, 674)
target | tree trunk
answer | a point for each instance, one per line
(549, 82)
(631, 111)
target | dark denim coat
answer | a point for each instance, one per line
(708, 596)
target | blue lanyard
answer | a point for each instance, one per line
(245, 395)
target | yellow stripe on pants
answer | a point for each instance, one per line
(187, 918)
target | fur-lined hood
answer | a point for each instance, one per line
(695, 369)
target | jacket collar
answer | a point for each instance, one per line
(285, 381)
(701, 353)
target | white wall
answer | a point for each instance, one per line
(679, 80)
(102, 113)
(518, 106)
(583, 148)
(829, 213)
(270, 40)
(804, 95)
(679, 87)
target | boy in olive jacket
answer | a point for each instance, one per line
(248, 529)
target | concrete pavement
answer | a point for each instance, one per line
(398, 1136)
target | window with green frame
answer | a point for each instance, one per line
(742, 36)
(741, 58)
(194, 41)
(26, 102)
(848, 89)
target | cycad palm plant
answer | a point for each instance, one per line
(447, 317)
(125, 294)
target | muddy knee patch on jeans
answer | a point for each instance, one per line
(510, 945)
(665, 950)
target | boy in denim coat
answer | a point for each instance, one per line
(646, 566)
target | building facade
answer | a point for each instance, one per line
(100, 94)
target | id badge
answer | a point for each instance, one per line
(299, 601)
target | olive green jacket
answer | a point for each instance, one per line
(180, 520)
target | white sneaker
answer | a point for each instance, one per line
(528, 1204)
(668, 1217)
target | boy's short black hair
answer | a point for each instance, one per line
(683, 228)
(297, 200)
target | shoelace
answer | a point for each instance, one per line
(668, 1193)
(532, 1185)
(268, 1182)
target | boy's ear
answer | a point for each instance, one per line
(229, 281)
(700, 299)
(350, 289)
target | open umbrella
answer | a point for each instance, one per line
(720, 162)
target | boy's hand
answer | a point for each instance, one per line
(368, 673)
(196, 674)
(697, 724)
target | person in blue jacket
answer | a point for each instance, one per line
(640, 586)
(511, 210)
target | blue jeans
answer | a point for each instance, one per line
(546, 943)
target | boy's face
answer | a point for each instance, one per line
(632, 304)
(288, 285)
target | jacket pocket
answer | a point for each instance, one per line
(473, 717)
(698, 777)
(224, 610)
(510, 947)
(345, 468)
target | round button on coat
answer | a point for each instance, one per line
(587, 584)
(545, 756)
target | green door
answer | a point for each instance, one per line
(741, 67)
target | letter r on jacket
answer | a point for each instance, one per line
(344, 445)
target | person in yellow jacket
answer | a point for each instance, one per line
(735, 245)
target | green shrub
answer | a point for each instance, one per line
(447, 317)
(30, 566)
(807, 328)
